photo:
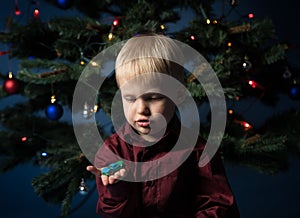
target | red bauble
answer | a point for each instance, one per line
(11, 86)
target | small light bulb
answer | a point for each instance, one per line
(116, 22)
(17, 10)
(110, 36)
(250, 15)
(53, 99)
(36, 13)
(252, 83)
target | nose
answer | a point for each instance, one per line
(142, 107)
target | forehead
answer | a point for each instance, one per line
(158, 83)
(141, 85)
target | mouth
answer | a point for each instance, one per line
(143, 123)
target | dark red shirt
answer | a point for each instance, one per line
(188, 191)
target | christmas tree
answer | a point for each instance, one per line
(245, 53)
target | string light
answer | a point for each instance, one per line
(53, 99)
(96, 107)
(10, 75)
(207, 21)
(246, 126)
(24, 139)
(17, 10)
(250, 15)
(229, 44)
(36, 13)
(230, 111)
(110, 36)
(252, 83)
(116, 22)
(162, 27)
(192, 37)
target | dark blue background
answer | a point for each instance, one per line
(258, 195)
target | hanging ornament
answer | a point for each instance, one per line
(83, 187)
(84, 60)
(87, 111)
(287, 73)
(295, 91)
(64, 4)
(247, 65)
(54, 111)
(11, 85)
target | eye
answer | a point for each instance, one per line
(155, 97)
(129, 98)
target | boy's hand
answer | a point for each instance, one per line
(107, 179)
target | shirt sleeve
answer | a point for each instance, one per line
(214, 197)
(119, 199)
(116, 200)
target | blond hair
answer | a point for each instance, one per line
(149, 54)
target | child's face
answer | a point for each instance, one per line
(146, 109)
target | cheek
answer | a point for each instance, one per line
(127, 109)
(169, 109)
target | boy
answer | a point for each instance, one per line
(152, 183)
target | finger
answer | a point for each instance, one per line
(122, 172)
(117, 175)
(112, 179)
(105, 180)
(93, 170)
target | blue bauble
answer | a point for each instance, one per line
(295, 91)
(54, 111)
(64, 4)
